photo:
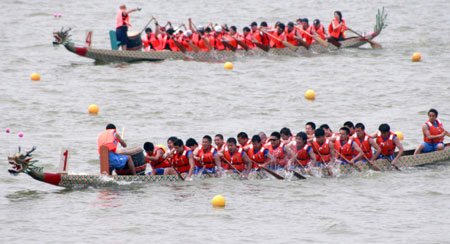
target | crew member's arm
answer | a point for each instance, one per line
(332, 152)
(312, 156)
(191, 27)
(358, 149)
(191, 164)
(133, 10)
(159, 154)
(399, 145)
(292, 159)
(270, 158)
(249, 163)
(121, 141)
(218, 163)
(377, 150)
(196, 150)
(426, 132)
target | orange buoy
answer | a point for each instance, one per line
(35, 77)
(93, 109)
(416, 57)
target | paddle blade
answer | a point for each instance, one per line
(298, 175)
(290, 46)
(272, 173)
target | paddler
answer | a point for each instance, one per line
(259, 154)
(323, 149)
(286, 135)
(278, 150)
(218, 36)
(264, 139)
(388, 141)
(110, 138)
(207, 156)
(337, 27)
(351, 127)
(183, 161)
(303, 153)
(150, 40)
(279, 34)
(171, 150)
(247, 37)
(433, 134)
(306, 30)
(346, 148)
(290, 34)
(220, 146)
(155, 157)
(319, 29)
(366, 143)
(244, 141)
(122, 23)
(329, 134)
(237, 157)
(310, 127)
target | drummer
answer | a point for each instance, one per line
(122, 23)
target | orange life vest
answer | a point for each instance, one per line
(320, 31)
(172, 45)
(247, 144)
(276, 43)
(387, 146)
(231, 40)
(122, 21)
(236, 160)
(290, 37)
(247, 40)
(308, 38)
(323, 149)
(152, 40)
(160, 163)
(278, 153)
(302, 155)
(338, 31)
(182, 161)
(207, 157)
(218, 42)
(107, 138)
(345, 150)
(364, 145)
(199, 42)
(434, 130)
(257, 157)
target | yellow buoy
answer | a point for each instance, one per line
(162, 146)
(416, 57)
(35, 77)
(310, 94)
(218, 201)
(228, 65)
(399, 135)
(93, 109)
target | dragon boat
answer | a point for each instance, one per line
(23, 163)
(107, 56)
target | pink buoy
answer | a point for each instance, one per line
(59, 15)
(20, 134)
(7, 130)
(55, 15)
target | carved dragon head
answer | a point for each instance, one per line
(62, 37)
(21, 163)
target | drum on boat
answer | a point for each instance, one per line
(134, 40)
(137, 154)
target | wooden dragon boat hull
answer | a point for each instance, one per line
(71, 181)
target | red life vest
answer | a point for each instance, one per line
(434, 131)
(290, 37)
(161, 163)
(278, 153)
(155, 43)
(345, 150)
(364, 145)
(218, 42)
(261, 38)
(320, 31)
(338, 31)
(257, 157)
(199, 42)
(324, 151)
(107, 138)
(308, 38)
(122, 21)
(247, 40)
(231, 40)
(182, 161)
(302, 155)
(276, 43)
(388, 146)
(247, 145)
(236, 160)
(172, 45)
(207, 157)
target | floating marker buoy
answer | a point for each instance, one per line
(228, 65)
(416, 57)
(35, 77)
(399, 135)
(20, 134)
(93, 109)
(7, 130)
(59, 15)
(310, 94)
(218, 201)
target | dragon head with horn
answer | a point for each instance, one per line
(62, 37)
(21, 163)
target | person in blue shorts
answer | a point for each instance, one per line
(433, 134)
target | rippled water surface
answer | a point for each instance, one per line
(190, 99)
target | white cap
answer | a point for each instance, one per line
(188, 33)
(218, 28)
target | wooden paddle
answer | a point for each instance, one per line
(242, 44)
(123, 133)
(204, 168)
(234, 168)
(392, 165)
(372, 43)
(353, 165)
(179, 45)
(193, 47)
(316, 38)
(285, 43)
(374, 167)
(153, 18)
(263, 47)
(320, 155)
(272, 173)
(297, 174)
(228, 45)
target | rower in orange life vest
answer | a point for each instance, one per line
(278, 151)
(207, 157)
(323, 149)
(351, 127)
(310, 127)
(258, 38)
(337, 27)
(388, 141)
(183, 160)
(329, 134)
(264, 139)
(155, 157)
(279, 34)
(110, 138)
(303, 153)
(345, 147)
(306, 29)
(171, 150)
(218, 35)
(247, 37)
(150, 40)
(237, 157)
(318, 29)
(244, 141)
(365, 142)
(259, 154)
(433, 134)
(231, 37)
(199, 38)
(122, 23)
(291, 33)
(220, 146)
(286, 135)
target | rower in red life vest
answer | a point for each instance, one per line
(244, 141)
(388, 141)
(278, 151)
(286, 135)
(183, 161)
(323, 150)
(231, 37)
(150, 40)
(310, 127)
(306, 30)
(155, 157)
(279, 34)
(318, 29)
(345, 147)
(365, 142)
(207, 156)
(171, 150)
(247, 38)
(218, 36)
(260, 39)
(259, 154)
(110, 138)
(303, 153)
(264, 139)
(291, 32)
(433, 134)
(337, 27)
(237, 157)
(329, 134)
(201, 40)
(351, 127)
(122, 23)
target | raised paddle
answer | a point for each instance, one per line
(285, 43)
(123, 133)
(372, 43)
(153, 18)
(316, 38)
(193, 47)
(353, 165)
